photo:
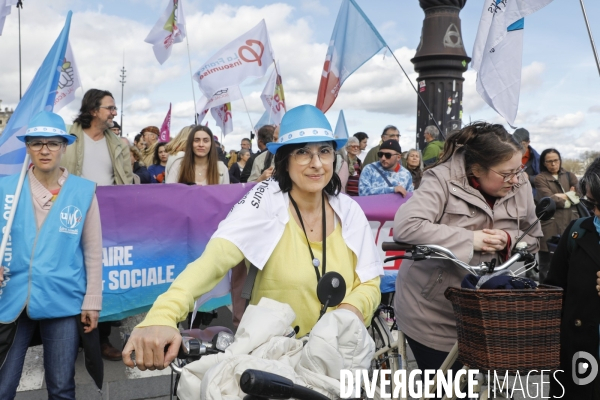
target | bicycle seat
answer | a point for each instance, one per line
(207, 334)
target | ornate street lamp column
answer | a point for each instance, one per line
(440, 60)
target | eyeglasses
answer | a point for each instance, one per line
(110, 108)
(354, 146)
(386, 155)
(590, 205)
(552, 161)
(508, 177)
(304, 156)
(38, 146)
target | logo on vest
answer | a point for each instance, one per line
(70, 218)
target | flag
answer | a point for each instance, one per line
(498, 52)
(165, 129)
(169, 29)
(222, 115)
(265, 119)
(39, 96)
(220, 97)
(273, 98)
(250, 55)
(341, 130)
(353, 42)
(5, 9)
(68, 82)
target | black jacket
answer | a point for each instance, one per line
(576, 274)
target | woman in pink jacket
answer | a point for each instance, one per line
(475, 201)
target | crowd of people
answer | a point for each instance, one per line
(473, 192)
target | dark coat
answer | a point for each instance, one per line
(576, 274)
(547, 186)
(533, 167)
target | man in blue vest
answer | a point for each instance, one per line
(51, 274)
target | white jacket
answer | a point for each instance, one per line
(338, 341)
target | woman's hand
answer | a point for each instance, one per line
(89, 319)
(355, 310)
(561, 196)
(149, 345)
(489, 240)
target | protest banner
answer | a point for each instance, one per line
(145, 250)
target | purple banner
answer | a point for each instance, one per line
(151, 232)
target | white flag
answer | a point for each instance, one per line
(5, 8)
(220, 97)
(169, 29)
(498, 52)
(68, 82)
(249, 55)
(222, 115)
(273, 98)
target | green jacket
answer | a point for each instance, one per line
(371, 156)
(432, 152)
(119, 155)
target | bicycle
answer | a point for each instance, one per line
(390, 351)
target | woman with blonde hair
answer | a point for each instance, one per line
(200, 164)
(175, 148)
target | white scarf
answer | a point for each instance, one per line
(257, 222)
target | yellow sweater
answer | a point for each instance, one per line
(288, 277)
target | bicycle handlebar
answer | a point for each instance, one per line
(432, 251)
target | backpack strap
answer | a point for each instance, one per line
(249, 283)
(575, 234)
(382, 175)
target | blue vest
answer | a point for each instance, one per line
(46, 271)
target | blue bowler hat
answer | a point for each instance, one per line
(47, 124)
(304, 124)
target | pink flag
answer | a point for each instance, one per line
(165, 129)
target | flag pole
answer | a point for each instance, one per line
(417, 92)
(590, 34)
(191, 79)
(19, 7)
(248, 113)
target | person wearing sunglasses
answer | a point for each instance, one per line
(387, 175)
(390, 132)
(98, 154)
(560, 185)
(574, 268)
(51, 277)
(292, 228)
(476, 202)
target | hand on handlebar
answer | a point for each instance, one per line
(150, 346)
(489, 240)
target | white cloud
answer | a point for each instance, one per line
(532, 76)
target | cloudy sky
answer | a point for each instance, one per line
(559, 102)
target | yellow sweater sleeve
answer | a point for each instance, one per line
(364, 296)
(198, 278)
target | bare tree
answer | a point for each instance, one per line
(573, 165)
(588, 156)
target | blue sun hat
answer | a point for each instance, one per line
(304, 124)
(47, 124)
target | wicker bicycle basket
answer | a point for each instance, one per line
(508, 330)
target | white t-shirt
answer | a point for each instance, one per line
(97, 164)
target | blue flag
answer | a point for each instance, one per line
(39, 96)
(341, 130)
(353, 42)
